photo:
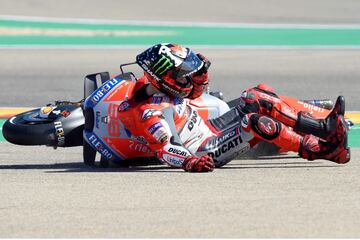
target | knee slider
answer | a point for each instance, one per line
(265, 127)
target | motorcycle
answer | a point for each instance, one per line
(93, 122)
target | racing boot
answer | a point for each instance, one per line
(335, 150)
(322, 128)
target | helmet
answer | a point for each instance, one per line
(170, 67)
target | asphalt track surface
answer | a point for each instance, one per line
(49, 193)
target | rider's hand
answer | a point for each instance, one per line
(198, 164)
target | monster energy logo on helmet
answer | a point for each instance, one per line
(160, 60)
(162, 65)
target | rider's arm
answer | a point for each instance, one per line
(160, 132)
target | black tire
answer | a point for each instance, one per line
(89, 154)
(17, 130)
(104, 162)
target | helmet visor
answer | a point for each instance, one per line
(191, 64)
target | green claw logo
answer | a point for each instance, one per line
(162, 65)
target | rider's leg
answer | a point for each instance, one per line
(264, 101)
(322, 128)
(310, 147)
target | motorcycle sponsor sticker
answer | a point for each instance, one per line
(104, 119)
(60, 134)
(150, 113)
(100, 146)
(65, 113)
(100, 93)
(139, 147)
(97, 119)
(124, 106)
(114, 126)
(47, 110)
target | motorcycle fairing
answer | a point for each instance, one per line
(98, 137)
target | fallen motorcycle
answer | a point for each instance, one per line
(94, 123)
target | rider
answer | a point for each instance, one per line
(158, 110)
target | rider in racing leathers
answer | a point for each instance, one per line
(158, 109)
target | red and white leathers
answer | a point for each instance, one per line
(175, 131)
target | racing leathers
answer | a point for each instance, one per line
(180, 137)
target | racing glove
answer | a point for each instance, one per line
(198, 164)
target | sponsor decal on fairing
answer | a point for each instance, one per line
(101, 92)
(104, 119)
(100, 146)
(65, 113)
(45, 111)
(60, 134)
(124, 105)
(139, 147)
(97, 119)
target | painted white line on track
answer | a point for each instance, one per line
(177, 23)
(26, 31)
(251, 47)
